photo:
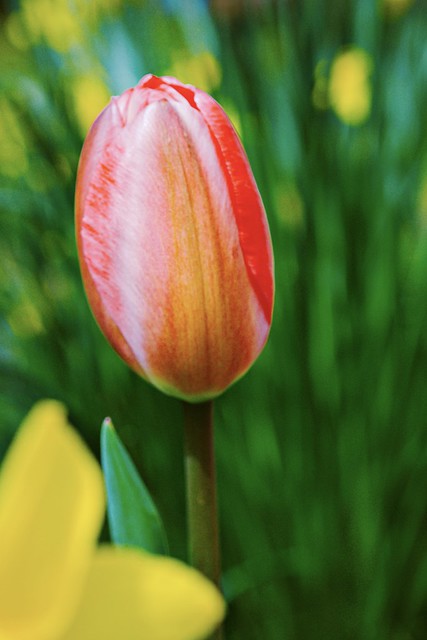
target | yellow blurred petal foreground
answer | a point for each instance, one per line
(55, 584)
(132, 595)
(51, 510)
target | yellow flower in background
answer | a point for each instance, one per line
(55, 583)
(90, 95)
(350, 92)
(53, 21)
(201, 70)
(62, 24)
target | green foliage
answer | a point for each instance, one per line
(132, 515)
(322, 447)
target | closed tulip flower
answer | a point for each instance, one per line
(173, 240)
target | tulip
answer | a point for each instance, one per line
(173, 239)
(55, 582)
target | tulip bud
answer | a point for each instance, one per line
(173, 240)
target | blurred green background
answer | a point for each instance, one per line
(322, 447)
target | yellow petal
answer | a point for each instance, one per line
(138, 596)
(51, 509)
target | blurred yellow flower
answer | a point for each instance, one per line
(90, 95)
(201, 70)
(61, 24)
(53, 21)
(350, 91)
(55, 583)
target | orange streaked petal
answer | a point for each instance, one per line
(247, 205)
(173, 240)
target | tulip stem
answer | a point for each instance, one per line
(202, 511)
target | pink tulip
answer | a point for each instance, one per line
(173, 240)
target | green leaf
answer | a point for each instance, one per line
(132, 515)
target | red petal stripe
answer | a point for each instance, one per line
(248, 209)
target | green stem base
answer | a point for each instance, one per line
(202, 510)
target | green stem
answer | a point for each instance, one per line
(202, 512)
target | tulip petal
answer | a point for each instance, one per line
(248, 209)
(138, 596)
(97, 140)
(246, 201)
(158, 207)
(51, 509)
